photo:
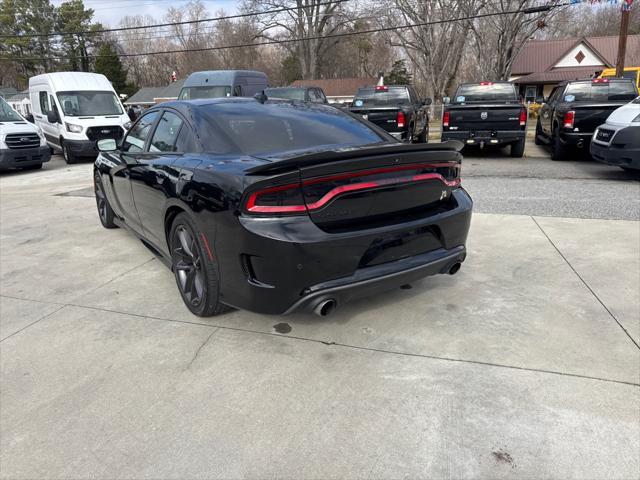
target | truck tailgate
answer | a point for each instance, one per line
(589, 116)
(385, 118)
(485, 117)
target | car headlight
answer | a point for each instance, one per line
(127, 125)
(73, 128)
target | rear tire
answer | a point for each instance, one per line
(517, 149)
(105, 212)
(68, 155)
(195, 271)
(538, 134)
(558, 150)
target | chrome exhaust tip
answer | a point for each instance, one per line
(325, 307)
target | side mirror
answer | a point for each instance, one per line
(53, 117)
(446, 100)
(29, 118)
(107, 145)
(427, 102)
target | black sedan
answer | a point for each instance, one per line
(279, 206)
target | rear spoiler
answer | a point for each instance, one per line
(308, 159)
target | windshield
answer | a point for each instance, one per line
(89, 103)
(257, 129)
(288, 93)
(485, 92)
(600, 91)
(8, 114)
(390, 96)
(217, 91)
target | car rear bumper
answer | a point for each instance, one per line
(281, 265)
(26, 157)
(496, 137)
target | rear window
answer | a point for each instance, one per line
(601, 91)
(489, 92)
(288, 93)
(257, 129)
(391, 96)
(628, 74)
(213, 91)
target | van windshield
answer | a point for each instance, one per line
(212, 91)
(7, 114)
(89, 103)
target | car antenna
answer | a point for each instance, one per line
(261, 97)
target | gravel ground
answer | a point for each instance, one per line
(577, 188)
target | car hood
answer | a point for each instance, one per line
(17, 127)
(624, 115)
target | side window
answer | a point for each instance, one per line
(313, 97)
(321, 97)
(412, 95)
(554, 94)
(134, 141)
(237, 91)
(166, 134)
(52, 103)
(44, 102)
(184, 143)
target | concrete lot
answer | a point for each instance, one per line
(524, 365)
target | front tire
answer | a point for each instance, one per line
(68, 155)
(517, 149)
(105, 212)
(194, 268)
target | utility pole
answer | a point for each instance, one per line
(622, 41)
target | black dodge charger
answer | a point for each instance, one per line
(282, 206)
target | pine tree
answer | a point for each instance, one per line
(108, 63)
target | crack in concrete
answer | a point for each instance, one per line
(33, 323)
(586, 284)
(195, 356)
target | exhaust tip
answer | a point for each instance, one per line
(454, 268)
(325, 307)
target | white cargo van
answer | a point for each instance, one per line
(223, 83)
(75, 110)
(22, 144)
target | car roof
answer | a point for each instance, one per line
(219, 77)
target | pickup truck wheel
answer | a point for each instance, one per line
(69, 157)
(538, 134)
(517, 149)
(424, 136)
(558, 150)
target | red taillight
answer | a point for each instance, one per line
(569, 117)
(401, 119)
(484, 84)
(523, 118)
(600, 80)
(381, 88)
(445, 119)
(287, 199)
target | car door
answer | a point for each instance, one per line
(133, 147)
(546, 112)
(420, 112)
(153, 177)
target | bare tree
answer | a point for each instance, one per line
(436, 49)
(499, 38)
(312, 20)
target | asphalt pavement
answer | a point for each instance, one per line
(523, 365)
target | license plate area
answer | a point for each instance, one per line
(399, 245)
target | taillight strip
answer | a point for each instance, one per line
(354, 187)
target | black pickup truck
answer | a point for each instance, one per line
(396, 109)
(486, 114)
(575, 109)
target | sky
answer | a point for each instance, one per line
(110, 12)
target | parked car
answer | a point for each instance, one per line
(570, 115)
(74, 110)
(223, 83)
(486, 113)
(278, 207)
(617, 141)
(305, 94)
(396, 109)
(22, 144)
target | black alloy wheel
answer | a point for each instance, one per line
(195, 268)
(105, 212)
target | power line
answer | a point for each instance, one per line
(316, 37)
(169, 24)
